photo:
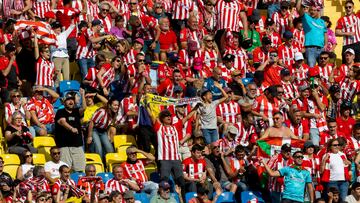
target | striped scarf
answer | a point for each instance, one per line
(326, 174)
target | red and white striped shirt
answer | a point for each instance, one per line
(240, 61)
(115, 185)
(91, 75)
(275, 39)
(194, 169)
(107, 77)
(299, 38)
(192, 37)
(92, 10)
(228, 111)
(353, 143)
(228, 15)
(287, 54)
(129, 58)
(225, 145)
(276, 184)
(226, 73)
(126, 105)
(101, 119)
(58, 188)
(244, 135)
(45, 72)
(298, 129)
(300, 74)
(10, 109)
(209, 58)
(136, 170)
(264, 107)
(282, 22)
(181, 9)
(349, 24)
(184, 56)
(324, 73)
(40, 7)
(290, 90)
(348, 89)
(313, 166)
(168, 141)
(85, 48)
(259, 55)
(43, 108)
(106, 22)
(312, 107)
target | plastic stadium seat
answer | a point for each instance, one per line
(249, 196)
(123, 140)
(43, 144)
(142, 197)
(150, 168)
(3, 144)
(189, 196)
(225, 197)
(39, 159)
(114, 158)
(11, 164)
(75, 176)
(68, 85)
(95, 159)
(105, 176)
(246, 81)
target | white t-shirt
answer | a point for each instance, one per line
(350, 199)
(53, 168)
(336, 167)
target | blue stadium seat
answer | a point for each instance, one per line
(225, 197)
(75, 176)
(58, 105)
(105, 176)
(246, 81)
(68, 86)
(189, 196)
(248, 196)
(142, 197)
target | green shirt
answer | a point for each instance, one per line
(158, 199)
(255, 36)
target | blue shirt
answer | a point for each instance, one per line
(314, 29)
(294, 181)
(216, 93)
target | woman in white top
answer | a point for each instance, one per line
(59, 54)
(25, 170)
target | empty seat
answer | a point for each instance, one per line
(123, 140)
(105, 176)
(11, 164)
(189, 196)
(141, 197)
(39, 159)
(114, 158)
(43, 144)
(95, 159)
(75, 176)
(225, 197)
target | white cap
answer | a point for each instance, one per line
(298, 56)
(350, 50)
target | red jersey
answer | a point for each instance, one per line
(345, 126)
(282, 22)
(349, 23)
(194, 169)
(85, 48)
(181, 9)
(299, 38)
(168, 141)
(106, 22)
(228, 111)
(272, 74)
(287, 54)
(228, 15)
(43, 109)
(107, 77)
(101, 119)
(44, 72)
(167, 40)
(136, 170)
(300, 74)
(40, 7)
(299, 129)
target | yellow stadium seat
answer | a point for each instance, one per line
(95, 159)
(3, 144)
(112, 159)
(43, 144)
(39, 159)
(150, 168)
(123, 140)
(11, 164)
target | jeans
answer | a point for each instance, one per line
(315, 136)
(210, 135)
(101, 143)
(312, 55)
(275, 197)
(342, 186)
(150, 188)
(50, 128)
(289, 201)
(84, 65)
(175, 167)
(147, 44)
(273, 8)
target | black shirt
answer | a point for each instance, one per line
(17, 140)
(26, 62)
(63, 136)
(5, 179)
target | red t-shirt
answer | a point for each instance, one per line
(167, 39)
(345, 126)
(272, 74)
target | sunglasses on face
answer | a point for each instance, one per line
(141, 61)
(105, 10)
(299, 157)
(348, 7)
(132, 3)
(16, 96)
(28, 155)
(56, 153)
(324, 58)
(335, 145)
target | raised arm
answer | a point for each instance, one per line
(271, 172)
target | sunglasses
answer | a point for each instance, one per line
(132, 3)
(17, 96)
(335, 145)
(106, 10)
(141, 61)
(299, 157)
(158, 7)
(118, 60)
(56, 153)
(323, 58)
(273, 55)
(209, 40)
(28, 155)
(348, 7)
(132, 153)
(42, 199)
(280, 92)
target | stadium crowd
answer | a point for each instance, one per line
(223, 99)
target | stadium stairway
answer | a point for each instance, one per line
(334, 9)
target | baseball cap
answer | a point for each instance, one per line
(256, 14)
(286, 147)
(198, 64)
(303, 87)
(227, 89)
(204, 91)
(232, 129)
(173, 56)
(299, 56)
(55, 25)
(50, 14)
(228, 57)
(69, 95)
(287, 34)
(96, 22)
(164, 185)
(308, 144)
(285, 72)
(350, 50)
(140, 41)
